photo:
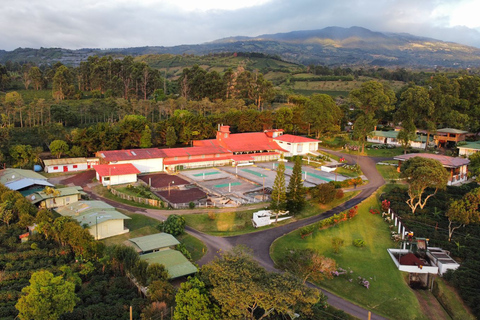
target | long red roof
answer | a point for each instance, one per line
(294, 139)
(252, 141)
(131, 154)
(194, 151)
(108, 170)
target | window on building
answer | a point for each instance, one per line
(75, 166)
(106, 178)
(55, 168)
(299, 147)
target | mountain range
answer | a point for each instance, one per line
(331, 46)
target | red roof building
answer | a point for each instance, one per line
(456, 166)
(112, 174)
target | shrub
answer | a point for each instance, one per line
(337, 243)
(359, 243)
(174, 225)
(307, 230)
(212, 216)
(325, 192)
(339, 194)
(191, 204)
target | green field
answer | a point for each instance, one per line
(235, 223)
(388, 295)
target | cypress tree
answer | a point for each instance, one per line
(296, 191)
(279, 196)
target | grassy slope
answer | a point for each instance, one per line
(235, 223)
(388, 295)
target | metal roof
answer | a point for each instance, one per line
(451, 130)
(25, 183)
(62, 192)
(470, 145)
(11, 174)
(108, 170)
(91, 212)
(174, 261)
(446, 161)
(64, 161)
(154, 241)
(295, 139)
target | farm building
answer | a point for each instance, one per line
(174, 261)
(449, 136)
(296, 145)
(113, 174)
(469, 148)
(20, 179)
(69, 164)
(456, 166)
(145, 160)
(153, 242)
(391, 138)
(102, 220)
(57, 198)
(225, 149)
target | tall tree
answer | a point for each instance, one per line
(37, 77)
(58, 148)
(364, 124)
(322, 114)
(193, 301)
(279, 196)
(62, 82)
(420, 174)
(170, 137)
(146, 138)
(46, 298)
(244, 290)
(407, 134)
(464, 212)
(296, 191)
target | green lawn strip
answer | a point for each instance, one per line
(348, 173)
(102, 191)
(372, 152)
(193, 245)
(388, 172)
(450, 300)
(236, 223)
(388, 295)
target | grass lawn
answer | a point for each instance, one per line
(348, 173)
(235, 223)
(140, 225)
(373, 152)
(136, 192)
(451, 301)
(388, 172)
(388, 295)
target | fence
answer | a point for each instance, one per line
(151, 202)
(398, 225)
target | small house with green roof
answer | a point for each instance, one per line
(153, 242)
(174, 261)
(446, 136)
(468, 148)
(101, 219)
(56, 198)
(391, 138)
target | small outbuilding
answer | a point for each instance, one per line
(468, 148)
(296, 145)
(56, 198)
(69, 164)
(456, 166)
(153, 242)
(174, 261)
(113, 174)
(101, 219)
(21, 179)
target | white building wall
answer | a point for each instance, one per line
(466, 152)
(69, 167)
(108, 228)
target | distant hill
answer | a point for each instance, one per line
(332, 46)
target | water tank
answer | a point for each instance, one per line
(37, 168)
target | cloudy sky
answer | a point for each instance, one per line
(130, 23)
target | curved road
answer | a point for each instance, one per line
(261, 241)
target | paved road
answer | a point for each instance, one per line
(261, 241)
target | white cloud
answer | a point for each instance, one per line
(127, 23)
